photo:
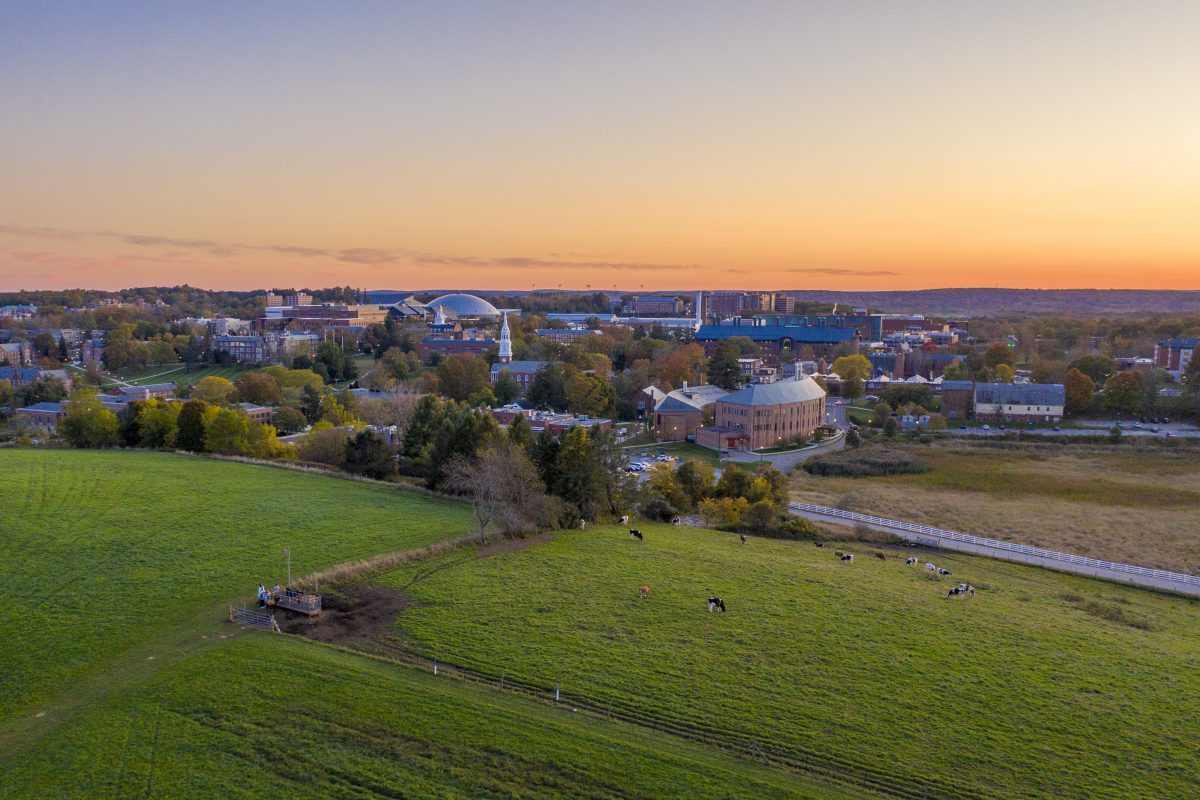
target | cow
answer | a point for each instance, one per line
(880, 556)
(838, 553)
(912, 560)
(743, 537)
(930, 567)
(634, 533)
(624, 520)
(961, 590)
(819, 544)
(582, 524)
(848, 558)
(644, 592)
(942, 572)
(675, 520)
(716, 604)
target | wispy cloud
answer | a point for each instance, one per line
(367, 256)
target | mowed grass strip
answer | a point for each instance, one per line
(104, 550)
(1034, 688)
(272, 716)
(1133, 507)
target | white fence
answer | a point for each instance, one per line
(1011, 551)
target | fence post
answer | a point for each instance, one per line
(435, 666)
(556, 688)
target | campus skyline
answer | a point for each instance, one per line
(637, 146)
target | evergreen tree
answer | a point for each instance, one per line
(310, 403)
(368, 454)
(506, 387)
(192, 434)
(520, 432)
(723, 367)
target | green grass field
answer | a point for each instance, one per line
(1044, 685)
(178, 372)
(120, 678)
(271, 716)
(105, 551)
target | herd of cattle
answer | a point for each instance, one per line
(717, 604)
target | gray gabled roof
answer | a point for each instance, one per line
(691, 398)
(1023, 394)
(778, 393)
(516, 367)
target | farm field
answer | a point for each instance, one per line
(1043, 685)
(1139, 508)
(273, 716)
(122, 679)
(104, 552)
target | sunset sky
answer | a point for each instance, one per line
(836, 145)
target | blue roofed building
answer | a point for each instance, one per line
(774, 339)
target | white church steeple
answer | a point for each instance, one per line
(505, 342)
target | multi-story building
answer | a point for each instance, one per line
(664, 304)
(722, 304)
(23, 376)
(162, 391)
(785, 304)
(325, 315)
(681, 412)
(566, 335)
(1174, 355)
(257, 413)
(1018, 402)
(958, 399)
(16, 354)
(523, 371)
(774, 339)
(644, 400)
(250, 349)
(765, 415)
(869, 326)
(288, 298)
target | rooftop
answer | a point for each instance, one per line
(775, 394)
(1050, 394)
(772, 333)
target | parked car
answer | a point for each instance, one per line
(987, 427)
(1057, 428)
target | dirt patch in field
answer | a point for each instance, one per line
(358, 615)
(511, 545)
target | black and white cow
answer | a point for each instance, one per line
(675, 520)
(942, 572)
(911, 562)
(743, 537)
(582, 524)
(624, 520)
(716, 604)
(634, 533)
(847, 558)
(961, 590)
(930, 567)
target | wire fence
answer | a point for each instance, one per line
(842, 770)
(998, 548)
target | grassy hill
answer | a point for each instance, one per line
(120, 678)
(103, 551)
(1043, 685)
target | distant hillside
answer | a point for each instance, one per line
(986, 302)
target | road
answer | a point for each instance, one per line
(927, 536)
(835, 413)
(1096, 428)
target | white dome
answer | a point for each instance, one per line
(464, 305)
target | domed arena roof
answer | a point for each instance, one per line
(463, 305)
